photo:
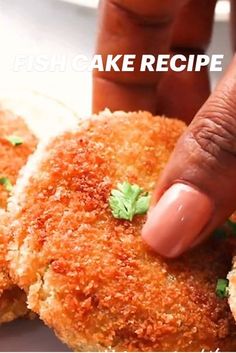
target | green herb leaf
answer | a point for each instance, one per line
(220, 233)
(225, 231)
(7, 183)
(128, 200)
(232, 227)
(222, 290)
(142, 204)
(15, 140)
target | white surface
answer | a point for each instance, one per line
(45, 116)
(30, 28)
(93, 4)
(29, 336)
(223, 10)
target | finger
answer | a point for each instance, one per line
(233, 23)
(197, 191)
(182, 94)
(132, 27)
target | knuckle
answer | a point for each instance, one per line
(146, 15)
(215, 132)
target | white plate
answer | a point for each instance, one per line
(93, 4)
(29, 336)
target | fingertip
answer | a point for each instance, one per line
(177, 220)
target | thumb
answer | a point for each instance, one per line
(197, 190)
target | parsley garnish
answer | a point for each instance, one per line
(128, 200)
(220, 233)
(232, 227)
(7, 183)
(225, 231)
(15, 140)
(222, 289)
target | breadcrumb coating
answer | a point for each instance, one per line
(88, 275)
(12, 158)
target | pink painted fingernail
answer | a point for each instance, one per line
(177, 220)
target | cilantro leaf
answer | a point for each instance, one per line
(128, 200)
(15, 140)
(222, 290)
(225, 231)
(7, 183)
(220, 233)
(142, 204)
(232, 227)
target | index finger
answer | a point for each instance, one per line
(132, 27)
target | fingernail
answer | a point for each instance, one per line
(177, 220)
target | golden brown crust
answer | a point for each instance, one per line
(13, 304)
(88, 275)
(232, 288)
(12, 158)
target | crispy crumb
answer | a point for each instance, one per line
(12, 158)
(88, 275)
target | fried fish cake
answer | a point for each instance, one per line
(16, 144)
(89, 275)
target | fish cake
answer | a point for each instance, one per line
(16, 144)
(88, 275)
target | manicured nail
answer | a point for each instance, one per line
(177, 220)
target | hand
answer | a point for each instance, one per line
(197, 191)
(153, 27)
